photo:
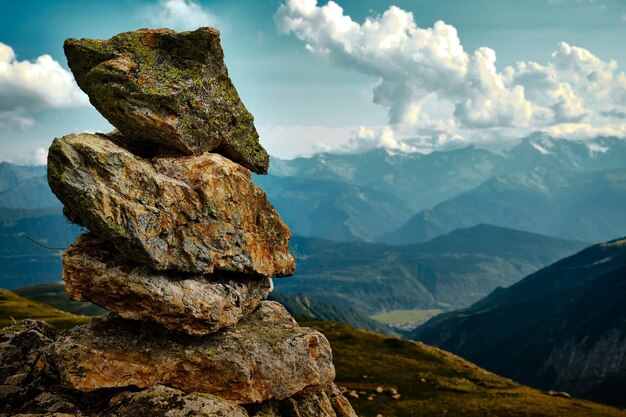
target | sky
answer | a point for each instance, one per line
(345, 76)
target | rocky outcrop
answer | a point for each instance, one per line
(169, 89)
(246, 363)
(196, 304)
(329, 403)
(193, 214)
(24, 365)
(181, 248)
(26, 350)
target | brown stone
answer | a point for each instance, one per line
(192, 214)
(168, 89)
(196, 304)
(265, 356)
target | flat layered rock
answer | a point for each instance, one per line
(265, 356)
(195, 214)
(168, 89)
(197, 304)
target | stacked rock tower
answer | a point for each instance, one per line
(182, 246)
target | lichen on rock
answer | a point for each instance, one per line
(266, 355)
(169, 89)
(197, 304)
(192, 214)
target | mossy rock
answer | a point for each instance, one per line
(168, 89)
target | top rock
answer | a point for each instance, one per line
(170, 89)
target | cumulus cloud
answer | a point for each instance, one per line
(365, 139)
(426, 79)
(179, 15)
(32, 85)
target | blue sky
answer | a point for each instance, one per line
(346, 76)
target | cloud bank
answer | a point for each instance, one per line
(430, 86)
(30, 86)
(179, 15)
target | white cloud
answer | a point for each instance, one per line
(365, 139)
(40, 156)
(291, 141)
(425, 79)
(15, 120)
(179, 15)
(33, 85)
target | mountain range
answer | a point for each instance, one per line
(546, 185)
(561, 328)
(447, 272)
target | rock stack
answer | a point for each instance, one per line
(182, 249)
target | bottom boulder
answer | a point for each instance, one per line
(265, 356)
(31, 353)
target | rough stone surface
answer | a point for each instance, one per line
(24, 366)
(193, 214)
(168, 402)
(196, 304)
(328, 403)
(266, 355)
(167, 88)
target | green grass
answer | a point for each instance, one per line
(14, 308)
(405, 316)
(434, 383)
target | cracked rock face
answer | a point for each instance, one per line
(169, 89)
(192, 214)
(24, 366)
(265, 356)
(328, 403)
(196, 304)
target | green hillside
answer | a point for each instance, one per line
(433, 383)
(429, 381)
(563, 327)
(53, 294)
(14, 308)
(305, 308)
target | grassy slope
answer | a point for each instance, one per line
(432, 382)
(14, 307)
(404, 316)
(53, 294)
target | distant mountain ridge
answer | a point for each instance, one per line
(448, 272)
(562, 328)
(573, 205)
(25, 187)
(519, 188)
